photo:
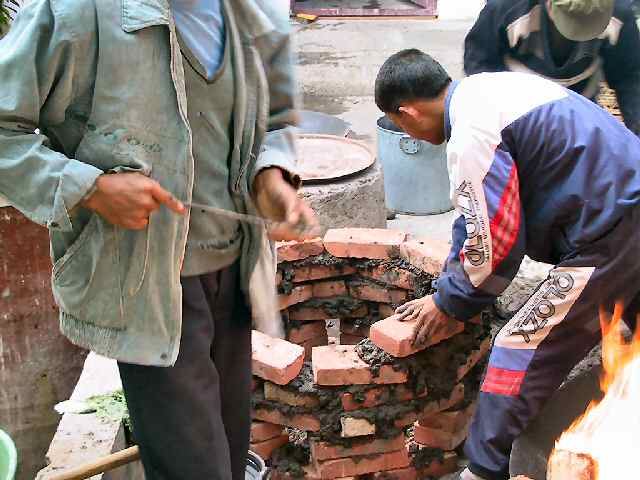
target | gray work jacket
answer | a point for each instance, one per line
(103, 82)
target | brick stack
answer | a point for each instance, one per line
(373, 406)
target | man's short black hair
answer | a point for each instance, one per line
(409, 75)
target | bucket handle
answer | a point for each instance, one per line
(409, 145)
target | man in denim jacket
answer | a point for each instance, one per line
(140, 108)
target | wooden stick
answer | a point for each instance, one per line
(566, 465)
(100, 465)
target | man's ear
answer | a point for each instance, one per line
(408, 110)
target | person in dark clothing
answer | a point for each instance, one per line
(576, 43)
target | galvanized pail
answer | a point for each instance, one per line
(416, 181)
(256, 468)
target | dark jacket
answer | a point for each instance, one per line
(514, 35)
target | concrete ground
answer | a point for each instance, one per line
(338, 61)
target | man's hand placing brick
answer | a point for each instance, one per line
(428, 317)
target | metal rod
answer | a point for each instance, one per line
(255, 220)
(243, 217)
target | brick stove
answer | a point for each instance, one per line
(371, 406)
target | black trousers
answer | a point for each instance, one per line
(192, 420)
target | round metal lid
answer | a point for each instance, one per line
(327, 157)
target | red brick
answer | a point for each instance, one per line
(306, 331)
(278, 394)
(477, 320)
(306, 422)
(302, 313)
(261, 431)
(265, 449)
(320, 272)
(364, 242)
(274, 359)
(434, 438)
(426, 254)
(456, 396)
(309, 345)
(308, 314)
(299, 294)
(398, 277)
(395, 337)
(330, 288)
(360, 312)
(437, 468)
(386, 311)
(449, 421)
(352, 466)
(292, 251)
(356, 427)
(376, 293)
(346, 339)
(328, 451)
(474, 358)
(406, 420)
(380, 396)
(341, 365)
(310, 473)
(408, 473)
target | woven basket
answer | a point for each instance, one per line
(607, 99)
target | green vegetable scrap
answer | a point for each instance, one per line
(111, 407)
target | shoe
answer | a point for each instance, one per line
(464, 474)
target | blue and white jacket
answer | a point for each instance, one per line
(535, 168)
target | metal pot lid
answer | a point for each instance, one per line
(327, 157)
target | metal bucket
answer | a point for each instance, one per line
(256, 468)
(416, 181)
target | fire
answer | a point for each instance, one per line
(609, 430)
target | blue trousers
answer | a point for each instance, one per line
(556, 328)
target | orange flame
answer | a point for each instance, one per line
(609, 430)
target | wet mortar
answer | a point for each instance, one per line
(433, 369)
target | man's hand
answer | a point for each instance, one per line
(277, 200)
(428, 316)
(128, 199)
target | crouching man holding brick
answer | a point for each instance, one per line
(535, 169)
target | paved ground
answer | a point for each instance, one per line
(338, 64)
(364, 4)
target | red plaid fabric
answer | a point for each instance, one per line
(503, 382)
(506, 222)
